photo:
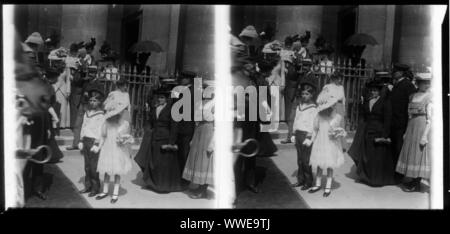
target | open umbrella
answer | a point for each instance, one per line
(146, 47)
(361, 39)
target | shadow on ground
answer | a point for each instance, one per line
(62, 193)
(275, 189)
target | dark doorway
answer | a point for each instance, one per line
(131, 26)
(347, 26)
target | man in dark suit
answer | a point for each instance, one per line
(402, 90)
(186, 127)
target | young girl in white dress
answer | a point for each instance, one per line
(335, 89)
(326, 152)
(115, 143)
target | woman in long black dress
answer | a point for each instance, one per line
(371, 151)
(157, 155)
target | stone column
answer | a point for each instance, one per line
(173, 38)
(293, 20)
(198, 46)
(415, 35)
(372, 20)
(156, 24)
(81, 22)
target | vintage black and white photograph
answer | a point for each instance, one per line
(354, 106)
(332, 107)
(94, 84)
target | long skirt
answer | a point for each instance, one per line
(414, 160)
(160, 168)
(199, 164)
(374, 164)
(64, 111)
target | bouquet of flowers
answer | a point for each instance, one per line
(382, 140)
(125, 139)
(169, 147)
(337, 132)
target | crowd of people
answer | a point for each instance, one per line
(391, 141)
(171, 155)
(391, 144)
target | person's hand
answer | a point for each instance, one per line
(292, 138)
(174, 147)
(55, 123)
(80, 145)
(210, 151)
(423, 142)
(164, 147)
(307, 142)
(404, 135)
(95, 149)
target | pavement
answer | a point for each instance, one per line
(282, 168)
(131, 194)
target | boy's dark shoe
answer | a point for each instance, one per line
(306, 187)
(72, 148)
(92, 193)
(85, 190)
(286, 141)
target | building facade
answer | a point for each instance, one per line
(403, 32)
(186, 32)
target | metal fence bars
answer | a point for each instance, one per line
(140, 89)
(354, 80)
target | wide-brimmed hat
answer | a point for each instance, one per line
(328, 102)
(115, 103)
(82, 50)
(308, 80)
(375, 84)
(287, 55)
(401, 67)
(423, 76)
(187, 75)
(95, 87)
(35, 38)
(165, 89)
(382, 74)
(249, 31)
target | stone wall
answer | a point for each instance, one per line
(377, 21)
(81, 22)
(297, 19)
(156, 27)
(198, 51)
(415, 45)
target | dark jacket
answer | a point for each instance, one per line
(163, 127)
(378, 121)
(399, 97)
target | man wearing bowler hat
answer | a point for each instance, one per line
(186, 127)
(402, 90)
